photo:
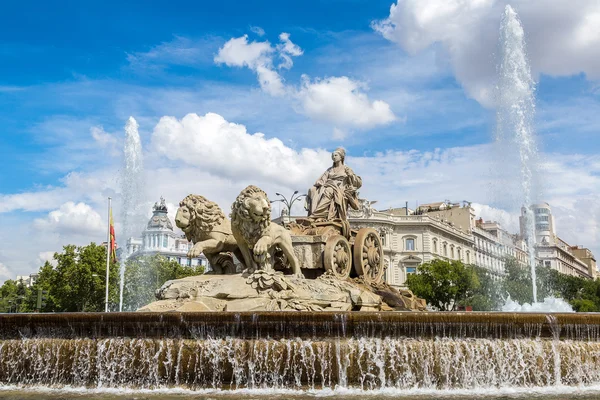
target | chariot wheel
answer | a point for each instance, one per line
(337, 256)
(368, 255)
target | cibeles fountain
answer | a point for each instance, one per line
(296, 308)
(317, 263)
(309, 311)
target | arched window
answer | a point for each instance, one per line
(451, 251)
(458, 253)
(435, 249)
(468, 257)
(445, 249)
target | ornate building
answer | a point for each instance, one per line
(409, 240)
(159, 238)
(553, 251)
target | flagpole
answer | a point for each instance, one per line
(107, 256)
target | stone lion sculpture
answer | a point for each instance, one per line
(205, 225)
(256, 236)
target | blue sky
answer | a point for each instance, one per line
(425, 135)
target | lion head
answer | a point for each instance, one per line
(197, 214)
(251, 213)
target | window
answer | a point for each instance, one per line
(468, 258)
(165, 241)
(547, 263)
(411, 270)
(458, 254)
(410, 244)
(451, 251)
(382, 239)
(435, 246)
(445, 250)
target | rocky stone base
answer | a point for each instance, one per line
(273, 291)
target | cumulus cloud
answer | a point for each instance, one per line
(468, 32)
(227, 149)
(257, 56)
(338, 100)
(73, 219)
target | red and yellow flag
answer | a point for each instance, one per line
(113, 243)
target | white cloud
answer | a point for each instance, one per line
(105, 140)
(338, 100)
(509, 221)
(5, 273)
(287, 50)
(562, 37)
(226, 149)
(44, 256)
(237, 52)
(179, 51)
(342, 101)
(257, 30)
(73, 219)
(257, 56)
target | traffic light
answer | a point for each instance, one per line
(41, 298)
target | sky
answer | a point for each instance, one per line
(228, 94)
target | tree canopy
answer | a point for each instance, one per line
(76, 282)
(444, 284)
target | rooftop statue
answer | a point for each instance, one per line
(335, 191)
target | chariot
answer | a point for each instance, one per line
(333, 246)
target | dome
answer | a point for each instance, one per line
(160, 220)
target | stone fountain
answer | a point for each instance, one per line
(309, 310)
(313, 264)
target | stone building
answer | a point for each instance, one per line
(554, 252)
(409, 240)
(159, 237)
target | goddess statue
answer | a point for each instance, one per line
(334, 191)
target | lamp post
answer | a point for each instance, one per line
(289, 203)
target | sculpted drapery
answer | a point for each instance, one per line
(334, 191)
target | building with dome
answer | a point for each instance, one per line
(160, 238)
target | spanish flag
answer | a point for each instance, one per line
(113, 243)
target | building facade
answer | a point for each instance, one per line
(554, 252)
(410, 240)
(160, 238)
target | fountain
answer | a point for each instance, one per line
(132, 191)
(514, 120)
(336, 325)
(300, 350)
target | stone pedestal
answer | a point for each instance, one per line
(273, 291)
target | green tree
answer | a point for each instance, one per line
(517, 281)
(13, 295)
(487, 296)
(144, 275)
(444, 284)
(77, 283)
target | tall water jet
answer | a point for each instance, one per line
(132, 190)
(514, 122)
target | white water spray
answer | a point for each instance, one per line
(514, 121)
(132, 190)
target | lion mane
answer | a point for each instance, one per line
(204, 215)
(251, 230)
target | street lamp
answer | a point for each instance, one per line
(289, 203)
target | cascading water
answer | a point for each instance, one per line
(514, 122)
(132, 191)
(301, 351)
